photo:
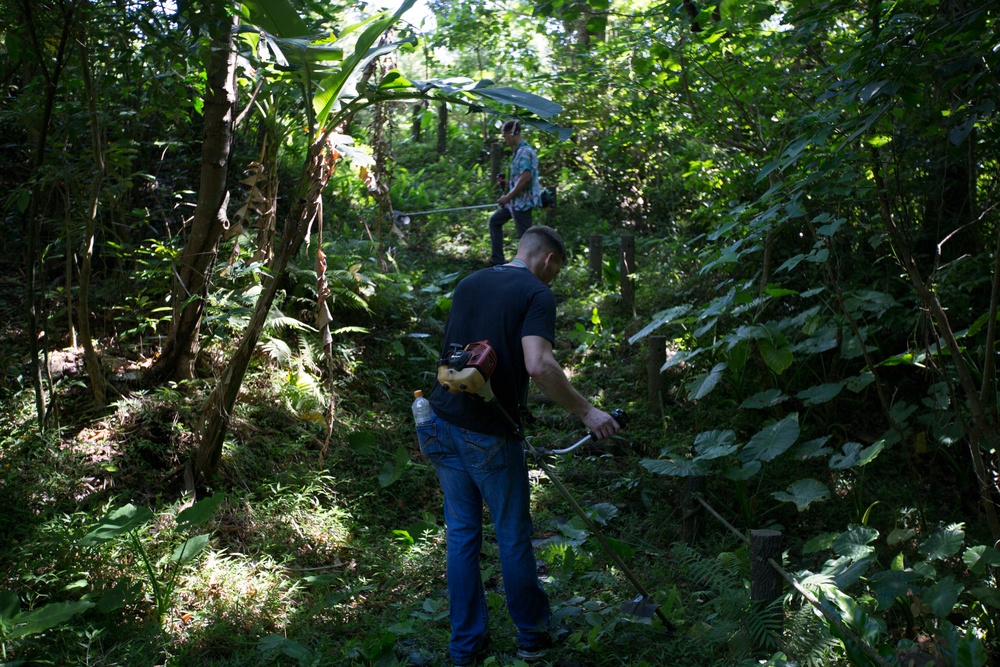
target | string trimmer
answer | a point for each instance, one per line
(400, 218)
(468, 370)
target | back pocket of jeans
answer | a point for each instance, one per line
(486, 452)
(430, 444)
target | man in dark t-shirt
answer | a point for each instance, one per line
(476, 456)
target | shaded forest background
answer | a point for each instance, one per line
(215, 315)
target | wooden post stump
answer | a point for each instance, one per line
(655, 382)
(596, 260)
(627, 265)
(691, 508)
(765, 582)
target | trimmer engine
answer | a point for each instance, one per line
(468, 369)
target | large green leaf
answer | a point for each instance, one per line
(855, 542)
(331, 86)
(704, 383)
(978, 558)
(854, 454)
(277, 17)
(742, 473)
(186, 552)
(10, 604)
(43, 618)
(659, 319)
(675, 467)
(943, 596)
(519, 98)
(117, 522)
(773, 440)
(803, 493)
(714, 444)
(891, 584)
(393, 470)
(764, 399)
(945, 543)
(200, 512)
(820, 393)
(811, 449)
(778, 359)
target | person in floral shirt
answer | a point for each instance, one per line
(524, 195)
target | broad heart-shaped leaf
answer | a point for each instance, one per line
(361, 443)
(675, 467)
(891, 584)
(945, 543)
(200, 512)
(854, 542)
(849, 457)
(393, 470)
(714, 444)
(777, 359)
(811, 449)
(970, 651)
(764, 399)
(117, 522)
(821, 393)
(978, 558)
(519, 98)
(185, 553)
(740, 474)
(773, 440)
(819, 543)
(803, 493)
(702, 384)
(43, 618)
(943, 596)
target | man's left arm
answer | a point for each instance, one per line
(523, 181)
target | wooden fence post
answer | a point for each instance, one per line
(596, 259)
(655, 382)
(496, 155)
(765, 581)
(627, 268)
(691, 508)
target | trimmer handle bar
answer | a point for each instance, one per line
(619, 416)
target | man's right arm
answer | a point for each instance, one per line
(551, 380)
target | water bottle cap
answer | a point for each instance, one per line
(418, 393)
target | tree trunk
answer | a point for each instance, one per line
(67, 11)
(194, 267)
(442, 129)
(93, 364)
(219, 406)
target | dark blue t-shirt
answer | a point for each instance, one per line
(501, 304)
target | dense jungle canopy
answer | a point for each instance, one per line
(228, 267)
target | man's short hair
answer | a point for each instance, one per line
(546, 239)
(511, 127)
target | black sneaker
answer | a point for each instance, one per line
(531, 654)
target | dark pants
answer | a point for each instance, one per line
(522, 221)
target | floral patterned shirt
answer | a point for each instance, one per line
(525, 159)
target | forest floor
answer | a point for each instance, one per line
(339, 562)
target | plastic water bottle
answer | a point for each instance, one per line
(421, 408)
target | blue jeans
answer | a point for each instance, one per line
(474, 468)
(522, 221)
